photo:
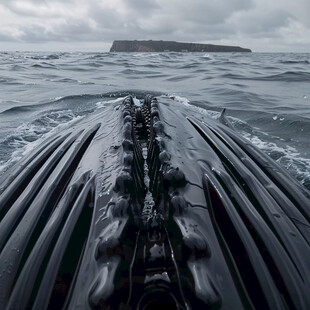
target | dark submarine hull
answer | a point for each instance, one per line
(223, 226)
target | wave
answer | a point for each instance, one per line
(304, 62)
(288, 76)
(145, 55)
(198, 110)
(207, 57)
(18, 68)
(45, 57)
(179, 78)
(286, 156)
(29, 135)
(17, 110)
(69, 80)
(44, 65)
(96, 56)
(191, 65)
(10, 81)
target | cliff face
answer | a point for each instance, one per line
(171, 46)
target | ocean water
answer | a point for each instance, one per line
(266, 96)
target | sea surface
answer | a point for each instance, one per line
(266, 95)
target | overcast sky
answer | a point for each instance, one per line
(92, 25)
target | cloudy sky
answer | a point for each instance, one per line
(92, 25)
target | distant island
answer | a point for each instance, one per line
(171, 46)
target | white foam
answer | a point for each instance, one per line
(145, 55)
(199, 110)
(104, 103)
(136, 101)
(207, 56)
(288, 157)
(28, 136)
(58, 98)
(180, 99)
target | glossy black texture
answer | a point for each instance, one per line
(142, 207)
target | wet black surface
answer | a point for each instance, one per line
(215, 224)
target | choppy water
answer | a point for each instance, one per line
(267, 96)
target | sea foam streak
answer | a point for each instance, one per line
(28, 136)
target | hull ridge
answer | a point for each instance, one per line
(145, 206)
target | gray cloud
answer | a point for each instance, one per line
(142, 5)
(209, 12)
(265, 24)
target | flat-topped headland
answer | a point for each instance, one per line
(171, 46)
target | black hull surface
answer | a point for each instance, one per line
(145, 206)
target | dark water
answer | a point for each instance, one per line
(267, 96)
